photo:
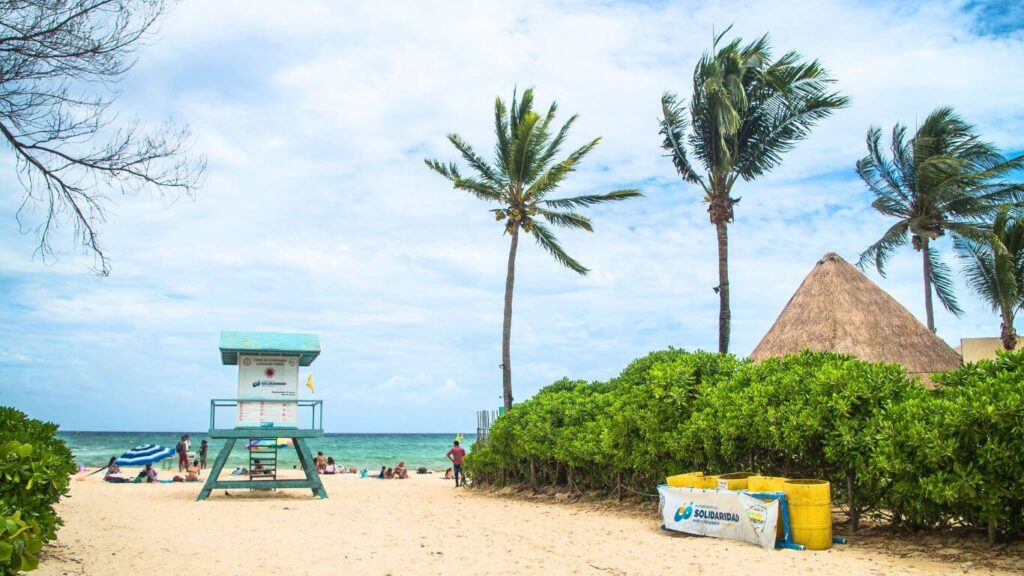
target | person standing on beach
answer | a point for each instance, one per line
(456, 454)
(182, 449)
(202, 454)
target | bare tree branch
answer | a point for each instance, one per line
(60, 61)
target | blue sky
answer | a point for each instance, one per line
(318, 215)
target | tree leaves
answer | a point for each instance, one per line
(930, 457)
(525, 172)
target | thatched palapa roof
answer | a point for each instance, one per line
(839, 309)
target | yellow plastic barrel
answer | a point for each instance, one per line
(734, 480)
(683, 480)
(706, 482)
(768, 484)
(810, 512)
(765, 483)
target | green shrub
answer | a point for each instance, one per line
(35, 470)
(955, 454)
(889, 446)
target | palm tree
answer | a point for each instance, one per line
(994, 269)
(746, 111)
(524, 172)
(943, 179)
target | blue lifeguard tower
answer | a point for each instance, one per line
(266, 409)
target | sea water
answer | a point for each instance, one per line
(371, 451)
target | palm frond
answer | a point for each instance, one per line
(673, 130)
(551, 178)
(942, 280)
(979, 271)
(547, 240)
(555, 144)
(476, 162)
(449, 171)
(879, 252)
(482, 189)
(522, 147)
(567, 219)
(501, 131)
(592, 199)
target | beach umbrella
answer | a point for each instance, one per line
(144, 454)
(268, 443)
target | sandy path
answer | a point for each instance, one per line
(418, 526)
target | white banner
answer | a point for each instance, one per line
(719, 513)
(262, 382)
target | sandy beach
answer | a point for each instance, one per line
(422, 525)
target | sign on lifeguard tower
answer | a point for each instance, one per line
(266, 387)
(267, 409)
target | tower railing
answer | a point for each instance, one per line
(316, 414)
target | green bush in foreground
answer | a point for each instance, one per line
(35, 470)
(890, 447)
(955, 454)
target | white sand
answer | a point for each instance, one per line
(418, 526)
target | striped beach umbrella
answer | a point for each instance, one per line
(145, 454)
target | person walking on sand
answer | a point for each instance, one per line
(182, 449)
(456, 454)
(203, 447)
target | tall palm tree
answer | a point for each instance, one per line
(943, 179)
(519, 180)
(994, 269)
(746, 111)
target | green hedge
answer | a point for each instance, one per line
(890, 447)
(35, 469)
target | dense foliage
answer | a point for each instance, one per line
(35, 468)
(891, 448)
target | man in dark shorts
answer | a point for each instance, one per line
(456, 454)
(203, 447)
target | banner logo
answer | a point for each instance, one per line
(684, 513)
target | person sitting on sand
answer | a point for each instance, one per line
(389, 474)
(330, 468)
(448, 474)
(401, 471)
(112, 472)
(321, 462)
(257, 469)
(193, 472)
(147, 475)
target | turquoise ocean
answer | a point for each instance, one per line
(371, 451)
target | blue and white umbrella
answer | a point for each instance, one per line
(145, 454)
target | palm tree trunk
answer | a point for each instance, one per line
(506, 333)
(724, 314)
(1006, 332)
(929, 312)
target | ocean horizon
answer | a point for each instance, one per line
(370, 450)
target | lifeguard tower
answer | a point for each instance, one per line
(266, 409)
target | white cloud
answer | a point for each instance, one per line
(318, 214)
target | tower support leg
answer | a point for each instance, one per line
(307, 463)
(214, 473)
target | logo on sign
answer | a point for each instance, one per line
(684, 512)
(269, 372)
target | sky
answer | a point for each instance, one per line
(318, 214)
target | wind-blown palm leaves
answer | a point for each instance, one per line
(524, 172)
(746, 111)
(943, 179)
(994, 270)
